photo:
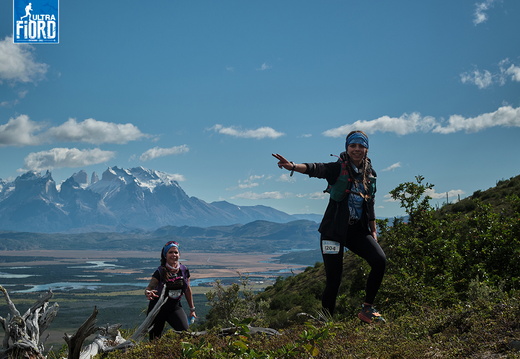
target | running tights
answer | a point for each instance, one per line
(170, 312)
(361, 243)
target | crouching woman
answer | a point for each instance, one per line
(173, 277)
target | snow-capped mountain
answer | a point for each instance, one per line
(122, 200)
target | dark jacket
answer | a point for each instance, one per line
(335, 220)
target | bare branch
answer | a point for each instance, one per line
(76, 340)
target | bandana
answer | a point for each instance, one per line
(357, 137)
(167, 247)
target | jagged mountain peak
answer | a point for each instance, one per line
(35, 176)
(145, 178)
(81, 178)
(122, 200)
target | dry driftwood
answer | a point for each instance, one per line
(235, 330)
(109, 339)
(23, 333)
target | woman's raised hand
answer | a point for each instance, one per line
(282, 161)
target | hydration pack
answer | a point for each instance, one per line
(339, 190)
(174, 286)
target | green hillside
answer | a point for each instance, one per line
(494, 196)
(451, 290)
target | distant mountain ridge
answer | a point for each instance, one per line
(257, 236)
(122, 200)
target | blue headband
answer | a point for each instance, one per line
(357, 137)
(167, 247)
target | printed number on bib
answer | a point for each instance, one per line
(330, 247)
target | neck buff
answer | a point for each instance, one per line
(173, 269)
(357, 137)
(167, 247)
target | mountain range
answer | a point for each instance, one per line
(121, 200)
(257, 236)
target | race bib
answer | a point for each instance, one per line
(175, 294)
(330, 247)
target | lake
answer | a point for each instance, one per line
(114, 282)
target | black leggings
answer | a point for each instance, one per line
(170, 312)
(361, 243)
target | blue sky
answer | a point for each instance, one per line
(207, 90)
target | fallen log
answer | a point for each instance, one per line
(75, 341)
(23, 333)
(109, 339)
(235, 331)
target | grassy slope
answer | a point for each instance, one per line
(487, 325)
(482, 331)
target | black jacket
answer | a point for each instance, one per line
(335, 220)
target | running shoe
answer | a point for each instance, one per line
(369, 314)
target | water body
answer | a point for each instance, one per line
(114, 286)
(119, 274)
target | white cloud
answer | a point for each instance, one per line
(480, 14)
(505, 116)
(257, 196)
(65, 157)
(17, 63)
(177, 177)
(392, 167)
(19, 131)
(403, 125)
(316, 195)
(259, 133)
(15, 101)
(481, 79)
(250, 182)
(451, 193)
(96, 132)
(485, 78)
(244, 185)
(285, 177)
(161, 152)
(388, 198)
(264, 67)
(514, 72)
(508, 70)
(431, 193)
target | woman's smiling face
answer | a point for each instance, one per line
(173, 255)
(356, 152)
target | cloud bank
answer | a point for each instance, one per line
(259, 133)
(480, 15)
(505, 116)
(65, 157)
(161, 152)
(507, 71)
(17, 63)
(95, 132)
(21, 131)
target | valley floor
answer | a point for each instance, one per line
(114, 282)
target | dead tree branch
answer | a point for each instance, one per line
(75, 341)
(23, 332)
(110, 338)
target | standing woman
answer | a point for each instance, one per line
(349, 220)
(173, 277)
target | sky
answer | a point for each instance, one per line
(207, 90)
